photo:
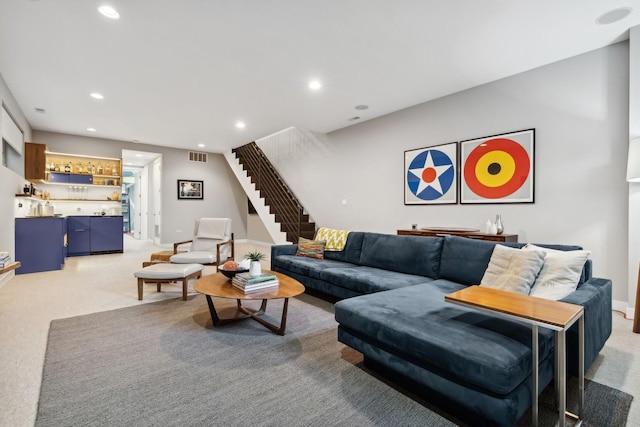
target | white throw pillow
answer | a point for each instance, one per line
(512, 270)
(560, 273)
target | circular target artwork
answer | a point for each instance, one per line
(430, 175)
(498, 169)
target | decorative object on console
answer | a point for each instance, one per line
(310, 248)
(189, 189)
(499, 226)
(430, 175)
(498, 169)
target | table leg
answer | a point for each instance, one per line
(534, 375)
(581, 368)
(561, 372)
(217, 321)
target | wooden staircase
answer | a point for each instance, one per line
(282, 203)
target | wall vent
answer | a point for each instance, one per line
(195, 156)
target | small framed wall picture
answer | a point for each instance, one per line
(430, 175)
(189, 189)
(498, 169)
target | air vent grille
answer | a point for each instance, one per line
(195, 156)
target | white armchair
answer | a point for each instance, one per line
(212, 243)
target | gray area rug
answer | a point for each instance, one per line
(164, 364)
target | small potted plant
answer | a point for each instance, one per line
(255, 268)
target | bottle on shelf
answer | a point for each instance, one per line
(67, 167)
(100, 170)
(57, 167)
(89, 169)
(114, 171)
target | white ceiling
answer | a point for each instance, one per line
(180, 73)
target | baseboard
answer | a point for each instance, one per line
(622, 307)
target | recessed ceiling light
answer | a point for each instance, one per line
(109, 12)
(353, 119)
(138, 155)
(362, 107)
(91, 129)
(97, 95)
(240, 125)
(315, 84)
(614, 15)
(201, 145)
(40, 110)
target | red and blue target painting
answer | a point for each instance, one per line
(430, 175)
(498, 169)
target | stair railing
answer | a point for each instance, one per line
(288, 211)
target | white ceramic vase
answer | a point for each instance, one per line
(255, 269)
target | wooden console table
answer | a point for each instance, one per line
(469, 234)
(555, 315)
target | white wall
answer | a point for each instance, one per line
(579, 108)
(223, 196)
(11, 182)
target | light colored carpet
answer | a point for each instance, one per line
(164, 364)
(89, 284)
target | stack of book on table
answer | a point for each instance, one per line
(246, 283)
(5, 259)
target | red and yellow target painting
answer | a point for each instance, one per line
(498, 169)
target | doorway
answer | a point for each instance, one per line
(141, 194)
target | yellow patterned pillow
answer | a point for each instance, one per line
(336, 239)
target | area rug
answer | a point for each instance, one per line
(165, 364)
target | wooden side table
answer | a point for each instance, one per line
(555, 315)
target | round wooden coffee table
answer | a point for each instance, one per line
(218, 285)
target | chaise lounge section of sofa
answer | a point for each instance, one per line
(392, 310)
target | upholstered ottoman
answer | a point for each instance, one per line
(163, 272)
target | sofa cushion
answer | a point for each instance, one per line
(310, 248)
(560, 272)
(513, 270)
(464, 260)
(352, 249)
(336, 239)
(462, 344)
(311, 267)
(365, 280)
(404, 254)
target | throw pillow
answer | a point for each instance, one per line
(512, 270)
(560, 273)
(310, 248)
(336, 239)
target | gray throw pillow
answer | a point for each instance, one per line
(513, 270)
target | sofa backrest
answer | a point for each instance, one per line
(405, 254)
(351, 251)
(465, 260)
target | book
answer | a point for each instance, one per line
(255, 287)
(247, 278)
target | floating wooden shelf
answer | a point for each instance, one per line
(10, 267)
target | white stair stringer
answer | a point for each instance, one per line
(267, 218)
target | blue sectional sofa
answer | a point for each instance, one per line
(392, 310)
